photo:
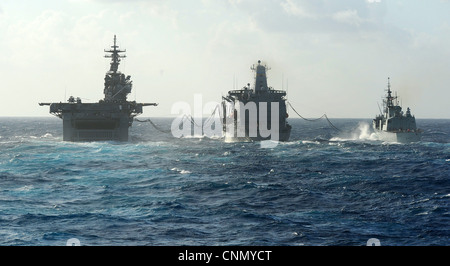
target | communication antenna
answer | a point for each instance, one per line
(115, 55)
(234, 82)
(287, 88)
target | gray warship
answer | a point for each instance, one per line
(111, 117)
(393, 125)
(255, 113)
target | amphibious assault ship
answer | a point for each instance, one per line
(393, 125)
(111, 117)
(255, 113)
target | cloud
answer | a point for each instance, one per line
(292, 8)
(327, 45)
(327, 49)
(303, 16)
(348, 16)
(28, 39)
(115, 1)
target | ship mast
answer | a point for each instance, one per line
(389, 101)
(389, 97)
(117, 86)
(115, 56)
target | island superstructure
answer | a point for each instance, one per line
(255, 113)
(393, 125)
(111, 117)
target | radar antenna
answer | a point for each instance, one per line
(115, 56)
(389, 98)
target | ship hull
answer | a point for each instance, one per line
(95, 129)
(95, 121)
(400, 137)
(393, 125)
(283, 135)
(248, 113)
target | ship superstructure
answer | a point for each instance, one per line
(111, 117)
(393, 125)
(257, 112)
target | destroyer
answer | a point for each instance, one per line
(393, 125)
(110, 118)
(257, 113)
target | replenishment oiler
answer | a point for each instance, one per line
(393, 125)
(255, 113)
(111, 117)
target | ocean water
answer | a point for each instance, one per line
(323, 187)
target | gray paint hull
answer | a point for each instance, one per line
(284, 135)
(400, 137)
(95, 129)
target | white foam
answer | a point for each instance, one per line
(24, 188)
(47, 135)
(310, 142)
(181, 171)
(362, 132)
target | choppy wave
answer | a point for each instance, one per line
(322, 187)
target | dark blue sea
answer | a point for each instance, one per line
(322, 187)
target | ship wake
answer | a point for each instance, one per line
(362, 132)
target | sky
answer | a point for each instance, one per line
(332, 56)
